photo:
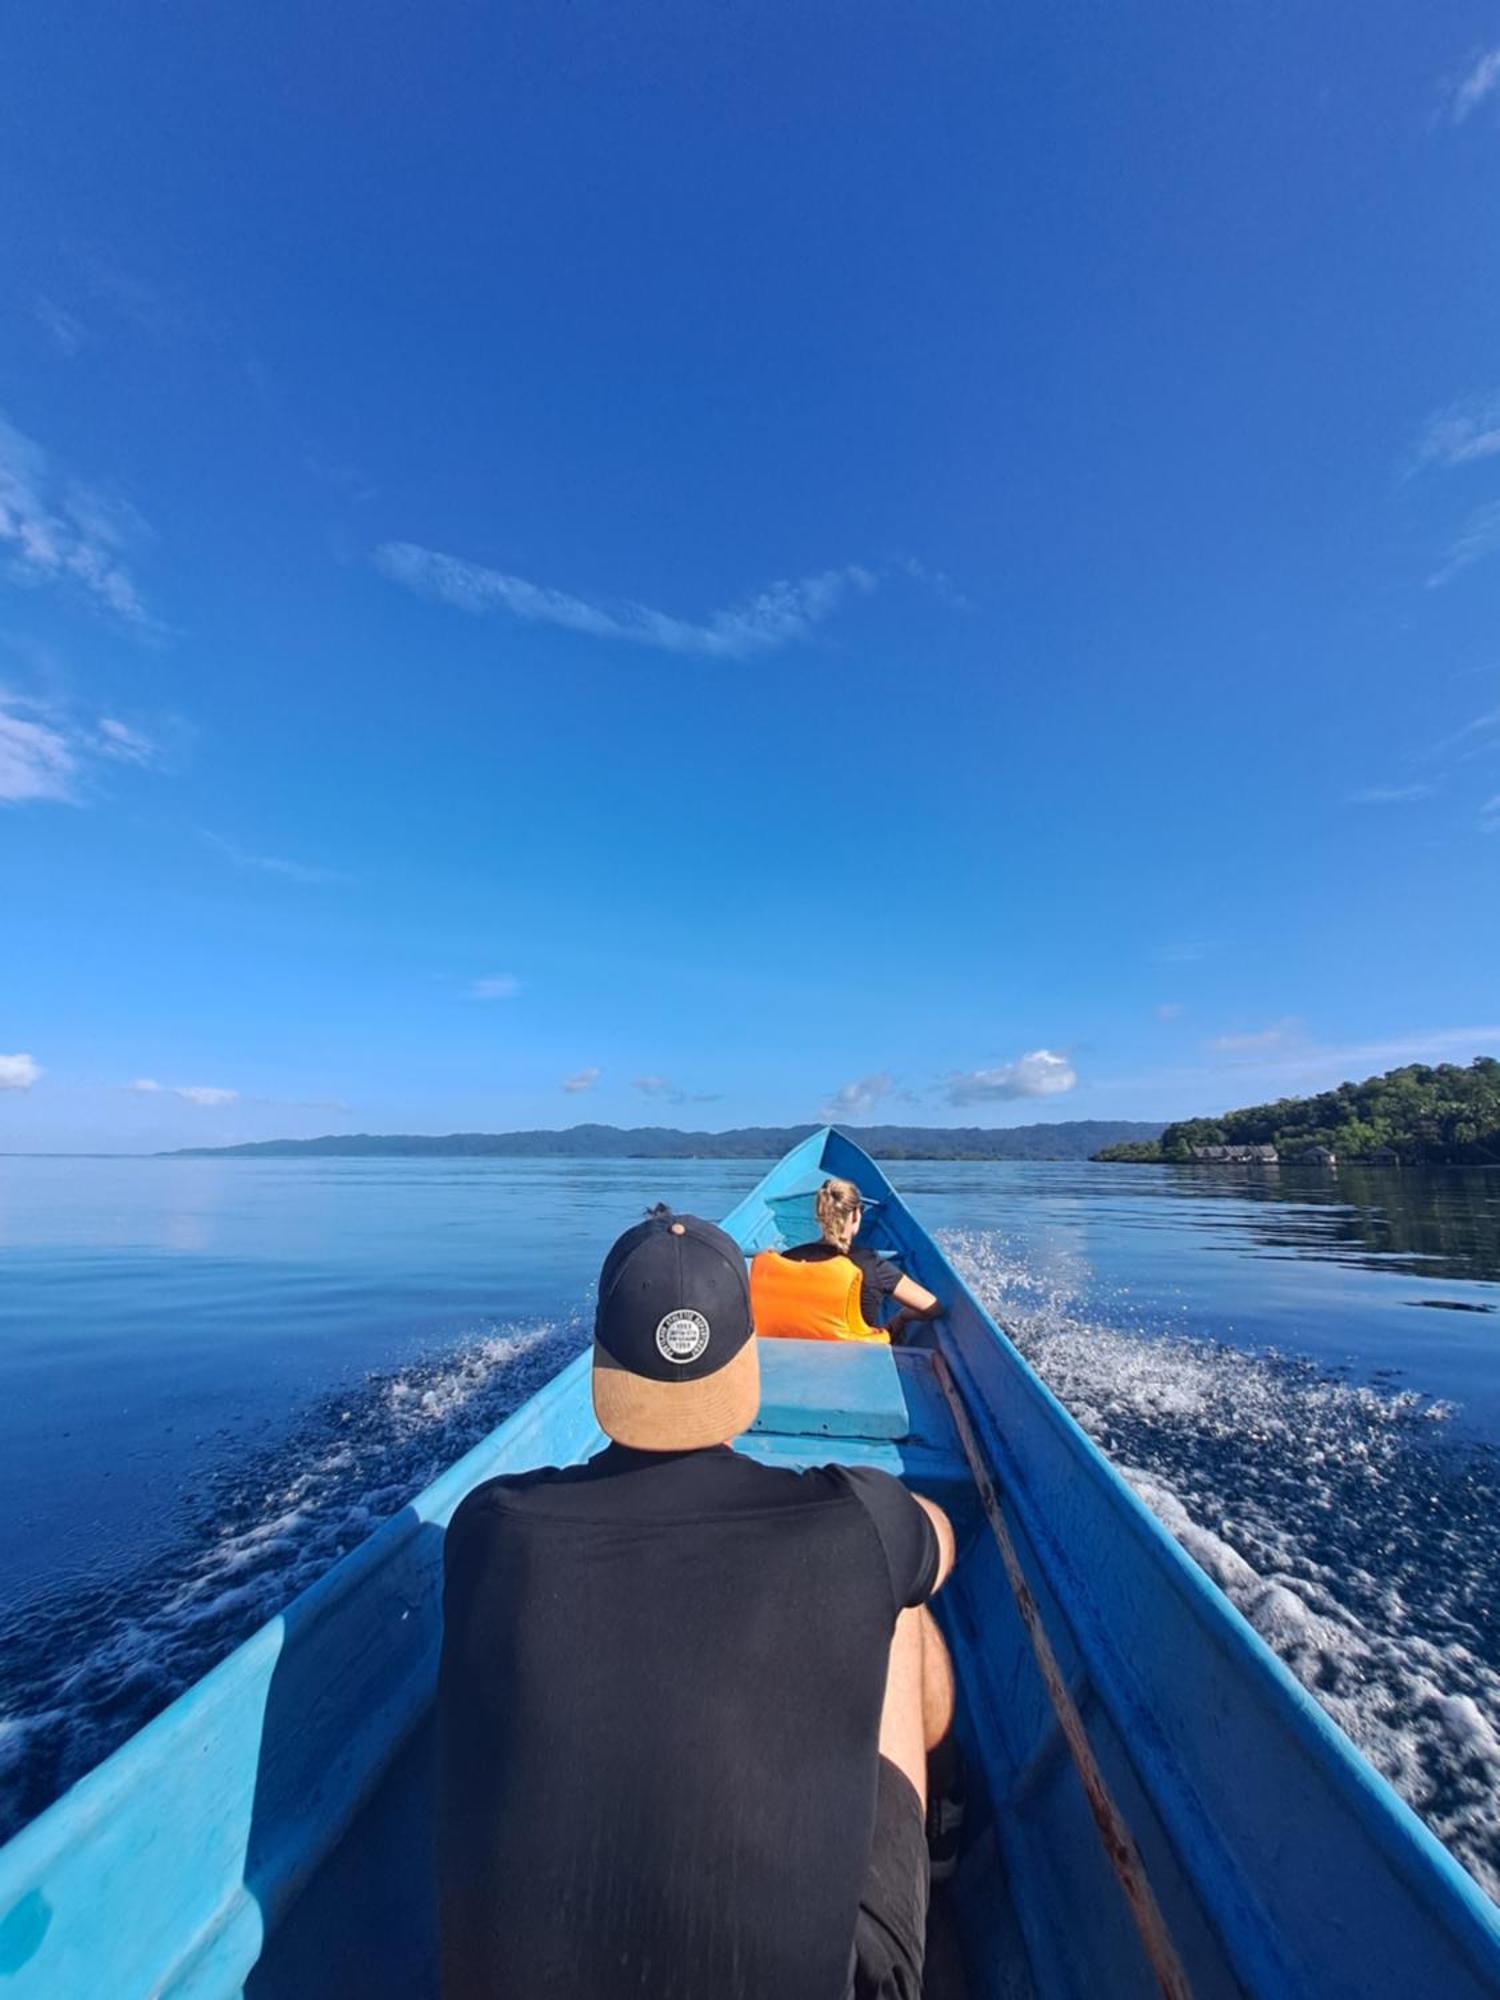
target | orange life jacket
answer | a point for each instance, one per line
(790, 1300)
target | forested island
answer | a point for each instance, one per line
(1071, 1139)
(1448, 1115)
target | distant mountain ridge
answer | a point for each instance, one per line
(1070, 1139)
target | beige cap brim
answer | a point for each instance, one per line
(677, 1416)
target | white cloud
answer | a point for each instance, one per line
(18, 1072)
(45, 753)
(37, 759)
(1460, 434)
(273, 864)
(854, 1101)
(498, 986)
(581, 1080)
(775, 616)
(1489, 815)
(1389, 795)
(1480, 538)
(1477, 83)
(204, 1095)
(1041, 1073)
(54, 531)
(1169, 1010)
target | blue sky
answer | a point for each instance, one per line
(707, 565)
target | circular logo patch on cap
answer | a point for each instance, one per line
(683, 1336)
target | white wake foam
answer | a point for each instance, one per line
(84, 1669)
(1341, 1520)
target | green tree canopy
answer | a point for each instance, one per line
(1447, 1114)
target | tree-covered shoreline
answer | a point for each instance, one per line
(1445, 1115)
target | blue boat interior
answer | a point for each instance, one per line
(270, 1833)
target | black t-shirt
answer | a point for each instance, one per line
(878, 1276)
(658, 1716)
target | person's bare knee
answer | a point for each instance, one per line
(937, 1681)
(903, 1734)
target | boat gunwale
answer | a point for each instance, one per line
(1407, 1844)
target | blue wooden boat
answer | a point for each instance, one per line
(1155, 1805)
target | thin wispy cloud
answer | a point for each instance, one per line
(1473, 738)
(937, 581)
(1362, 1057)
(776, 616)
(1460, 434)
(1310, 1065)
(346, 480)
(131, 298)
(1480, 538)
(581, 1080)
(670, 1093)
(206, 1096)
(66, 329)
(1258, 1038)
(123, 744)
(1040, 1073)
(1389, 795)
(496, 986)
(852, 1102)
(1489, 815)
(1169, 1010)
(48, 754)
(19, 1072)
(54, 531)
(37, 759)
(1478, 83)
(273, 864)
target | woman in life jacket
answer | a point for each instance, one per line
(834, 1289)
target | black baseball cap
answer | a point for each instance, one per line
(675, 1363)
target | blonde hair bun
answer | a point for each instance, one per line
(838, 1210)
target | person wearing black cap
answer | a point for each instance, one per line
(685, 1699)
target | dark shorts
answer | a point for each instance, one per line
(891, 1933)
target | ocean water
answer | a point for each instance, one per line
(216, 1376)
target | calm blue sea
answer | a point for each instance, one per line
(217, 1375)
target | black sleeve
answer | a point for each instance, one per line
(877, 1271)
(909, 1539)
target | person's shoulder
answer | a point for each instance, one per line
(877, 1489)
(809, 1253)
(736, 1480)
(906, 1534)
(496, 1496)
(873, 1265)
(756, 1484)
